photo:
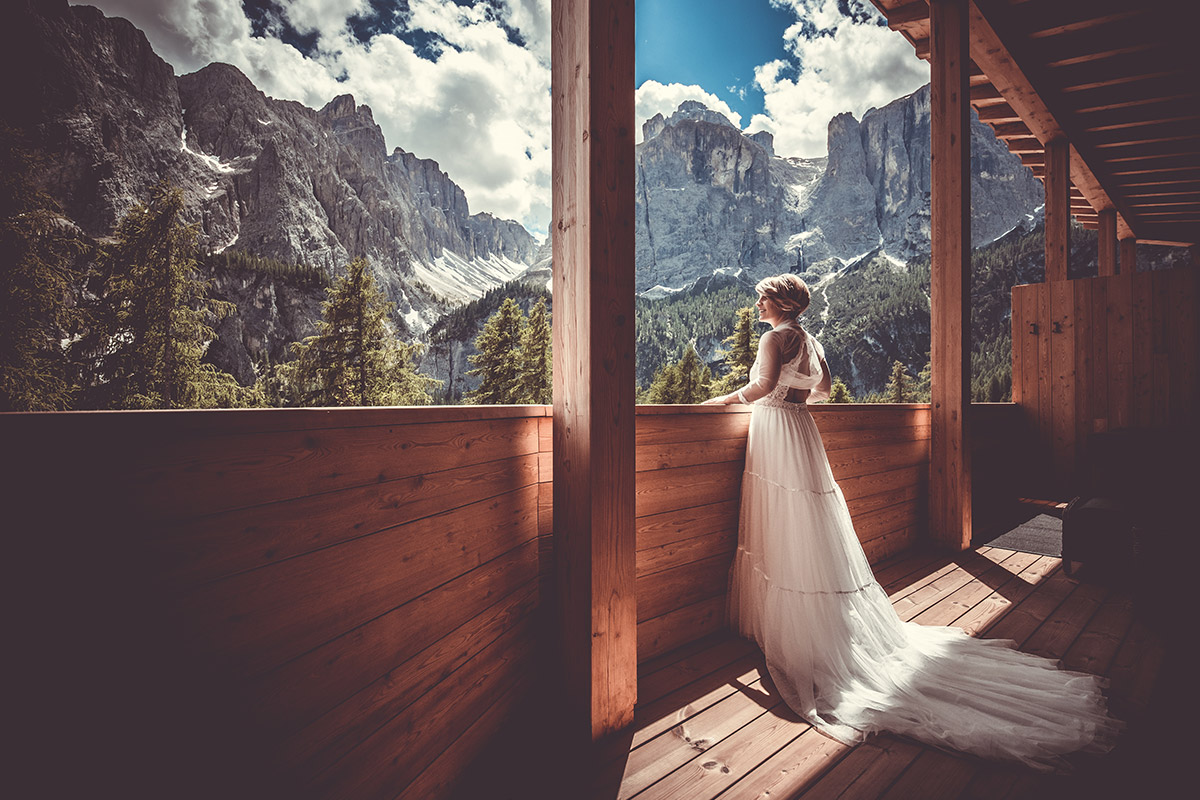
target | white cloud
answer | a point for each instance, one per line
(839, 65)
(653, 98)
(482, 110)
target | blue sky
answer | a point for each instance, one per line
(715, 44)
(467, 82)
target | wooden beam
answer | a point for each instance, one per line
(950, 141)
(1127, 257)
(990, 50)
(593, 219)
(909, 15)
(1058, 218)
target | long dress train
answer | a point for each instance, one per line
(836, 649)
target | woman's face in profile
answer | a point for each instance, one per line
(768, 309)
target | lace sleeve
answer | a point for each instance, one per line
(767, 366)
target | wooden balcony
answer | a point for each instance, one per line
(356, 602)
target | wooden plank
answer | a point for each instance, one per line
(709, 773)
(1019, 324)
(1081, 320)
(592, 181)
(873, 483)
(840, 440)
(1058, 213)
(794, 768)
(668, 455)
(932, 774)
(993, 608)
(691, 426)
(300, 691)
(906, 492)
(375, 767)
(855, 461)
(867, 771)
(1004, 567)
(442, 777)
(1160, 304)
(336, 733)
(1063, 376)
(1027, 616)
(662, 634)
(684, 487)
(1184, 346)
(1127, 258)
(900, 516)
(663, 674)
(1096, 647)
(1098, 330)
(720, 544)
(669, 528)
(202, 549)
(1060, 630)
(856, 416)
(662, 592)
(663, 754)
(1143, 349)
(260, 619)
(1120, 350)
(1106, 240)
(668, 710)
(891, 544)
(950, 212)
(186, 477)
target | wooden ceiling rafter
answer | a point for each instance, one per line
(1095, 73)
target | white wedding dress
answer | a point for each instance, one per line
(839, 655)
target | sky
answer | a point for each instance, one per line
(467, 82)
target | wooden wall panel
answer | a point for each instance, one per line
(690, 462)
(280, 601)
(1124, 355)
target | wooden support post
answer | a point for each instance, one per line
(950, 140)
(1128, 259)
(593, 223)
(1106, 240)
(1058, 208)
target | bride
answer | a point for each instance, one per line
(839, 655)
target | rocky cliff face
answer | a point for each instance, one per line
(710, 198)
(271, 177)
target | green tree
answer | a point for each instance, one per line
(898, 388)
(536, 358)
(741, 348)
(499, 361)
(149, 327)
(839, 392)
(354, 360)
(688, 380)
(37, 250)
(922, 389)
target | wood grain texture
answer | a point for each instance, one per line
(1058, 209)
(950, 137)
(593, 438)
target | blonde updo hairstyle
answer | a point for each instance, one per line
(789, 293)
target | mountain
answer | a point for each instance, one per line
(710, 198)
(267, 177)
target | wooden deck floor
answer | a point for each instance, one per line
(707, 727)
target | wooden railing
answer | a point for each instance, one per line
(351, 602)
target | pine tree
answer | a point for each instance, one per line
(664, 389)
(897, 390)
(922, 388)
(498, 362)
(37, 249)
(536, 358)
(354, 360)
(742, 347)
(688, 380)
(148, 329)
(695, 378)
(839, 392)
